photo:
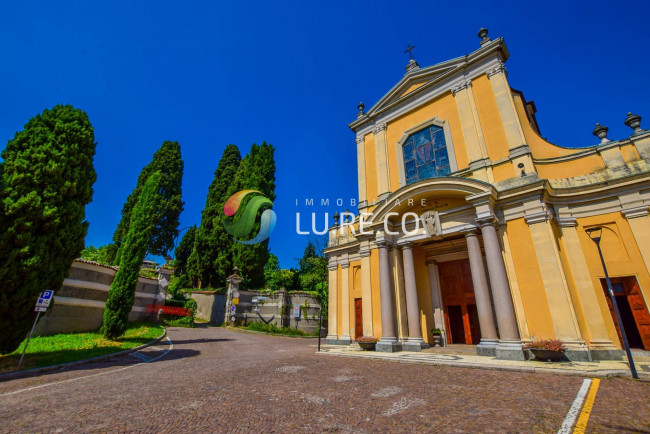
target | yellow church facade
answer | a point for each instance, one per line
(473, 224)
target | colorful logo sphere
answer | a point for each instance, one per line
(243, 226)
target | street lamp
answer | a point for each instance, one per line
(595, 234)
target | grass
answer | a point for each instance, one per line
(69, 347)
(275, 330)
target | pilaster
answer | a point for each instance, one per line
(436, 298)
(345, 302)
(332, 333)
(366, 290)
(361, 168)
(381, 157)
(639, 221)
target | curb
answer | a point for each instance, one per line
(604, 373)
(28, 372)
(269, 334)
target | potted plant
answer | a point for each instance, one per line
(367, 343)
(550, 350)
(437, 337)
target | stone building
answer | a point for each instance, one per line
(470, 222)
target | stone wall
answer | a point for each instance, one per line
(79, 304)
(211, 306)
(277, 309)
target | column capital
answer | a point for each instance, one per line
(501, 67)
(462, 85)
(379, 128)
(359, 139)
(538, 217)
(431, 262)
(638, 211)
(364, 252)
(488, 220)
(332, 266)
(566, 222)
(470, 232)
(405, 244)
(345, 265)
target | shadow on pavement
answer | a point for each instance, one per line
(200, 341)
(120, 361)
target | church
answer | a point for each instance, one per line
(472, 224)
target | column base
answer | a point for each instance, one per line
(597, 355)
(487, 347)
(334, 340)
(510, 350)
(388, 345)
(414, 344)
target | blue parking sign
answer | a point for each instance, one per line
(46, 294)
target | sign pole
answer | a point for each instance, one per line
(29, 338)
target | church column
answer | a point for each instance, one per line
(436, 298)
(415, 341)
(366, 291)
(345, 303)
(332, 334)
(361, 165)
(639, 222)
(509, 346)
(381, 158)
(586, 300)
(519, 151)
(489, 338)
(388, 342)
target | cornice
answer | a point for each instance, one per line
(501, 67)
(636, 212)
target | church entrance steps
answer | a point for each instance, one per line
(460, 357)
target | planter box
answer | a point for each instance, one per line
(367, 346)
(547, 355)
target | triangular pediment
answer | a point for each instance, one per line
(415, 81)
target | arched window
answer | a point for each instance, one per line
(425, 155)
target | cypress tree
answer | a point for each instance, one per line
(121, 295)
(183, 251)
(256, 172)
(45, 183)
(305, 263)
(166, 160)
(211, 262)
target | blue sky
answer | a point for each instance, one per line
(208, 74)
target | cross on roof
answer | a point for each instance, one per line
(409, 49)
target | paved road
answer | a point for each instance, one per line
(218, 380)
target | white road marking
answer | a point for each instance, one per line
(570, 418)
(171, 346)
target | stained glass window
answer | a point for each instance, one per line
(425, 155)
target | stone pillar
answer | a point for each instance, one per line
(489, 337)
(366, 292)
(414, 341)
(332, 334)
(639, 221)
(436, 298)
(164, 277)
(361, 170)
(345, 304)
(388, 342)
(509, 346)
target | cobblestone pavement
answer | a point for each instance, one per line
(218, 380)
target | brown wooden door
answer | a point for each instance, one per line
(639, 311)
(459, 303)
(358, 318)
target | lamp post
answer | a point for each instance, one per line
(595, 234)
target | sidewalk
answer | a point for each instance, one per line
(446, 358)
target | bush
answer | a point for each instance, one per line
(180, 321)
(275, 330)
(546, 344)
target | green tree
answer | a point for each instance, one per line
(210, 262)
(121, 295)
(183, 251)
(97, 254)
(276, 278)
(256, 172)
(310, 252)
(166, 160)
(45, 183)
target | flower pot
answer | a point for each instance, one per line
(367, 346)
(547, 355)
(437, 340)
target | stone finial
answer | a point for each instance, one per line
(361, 106)
(634, 122)
(336, 218)
(413, 65)
(601, 132)
(235, 271)
(483, 34)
